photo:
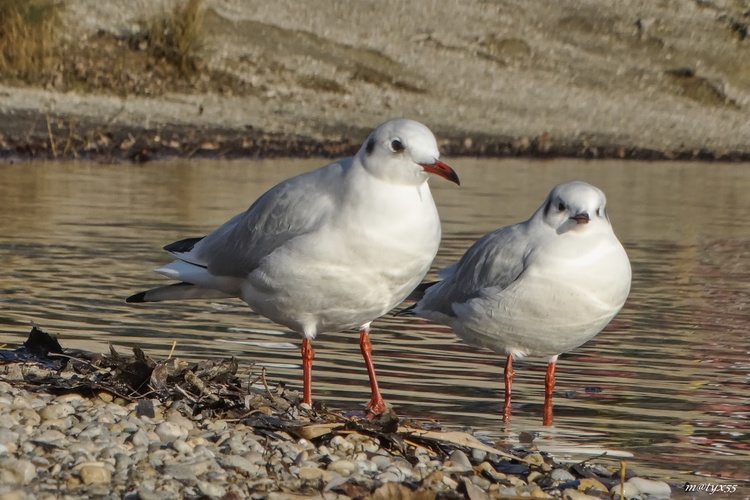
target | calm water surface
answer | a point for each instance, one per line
(668, 380)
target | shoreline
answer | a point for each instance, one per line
(79, 423)
(41, 136)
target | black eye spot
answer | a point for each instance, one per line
(370, 146)
(598, 212)
(561, 207)
(397, 146)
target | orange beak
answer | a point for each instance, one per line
(441, 169)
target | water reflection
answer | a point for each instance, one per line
(667, 381)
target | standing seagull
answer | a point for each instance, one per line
(543, 286)
(327, 250)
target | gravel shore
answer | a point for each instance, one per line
(68, 429)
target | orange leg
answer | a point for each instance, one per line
(376, 404)
(509, 373)
(308, 353)
(549, 385)
(549, 379)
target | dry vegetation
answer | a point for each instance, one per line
(174, 36)
(163, 56)
(27, 38)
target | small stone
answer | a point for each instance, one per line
(16, 495)
(533, 476)
(92, 431)
(73, 398)
(216, 426)
(535, 459)
(240, 463)
(146, 492)
(490, 471)
(211, 490)
(381, 461)
(474, 492)
(51, 436)
(342, 445)
(478, 455)
(94, 473)
(458, 462)
(9, 421)
(334, 481)
(532, 490)
(369, 466)
(389, 476)
(8, 436)
(650, 487)
(629, 492)
(14, 471)
(310, 473)
(561, 475)
(449, 482)
(105, 396)
(591, 485)
(20, 403)
(140, 438)
(343, 467)
(181, 472)
(571, 494)
(301, 457)
(481, 482)
(182, 447)
(516, 482)
(254, 457)
(402, 464)
(170, 431)
(181, 421)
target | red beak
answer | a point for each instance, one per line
(441, 169)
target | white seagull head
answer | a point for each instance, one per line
(403, 151)
(574, 206)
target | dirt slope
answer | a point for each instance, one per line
(574, 77)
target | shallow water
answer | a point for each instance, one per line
(668, 380)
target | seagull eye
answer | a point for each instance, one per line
(561, 207)
(397, 146)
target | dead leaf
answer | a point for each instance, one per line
(456, 437)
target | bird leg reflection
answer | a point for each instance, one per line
(376, 404)
(509, 373)
(308, 353)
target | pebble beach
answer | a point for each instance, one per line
(75, 425)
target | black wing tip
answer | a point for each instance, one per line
(409, 311)
(138, 297)
(182, 246)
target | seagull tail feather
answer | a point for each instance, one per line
(177, 291)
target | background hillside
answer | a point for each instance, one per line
(574, 77)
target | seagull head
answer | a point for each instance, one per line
(403, 152)
(574, 206)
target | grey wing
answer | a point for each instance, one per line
(291, 208)
(495, 260)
